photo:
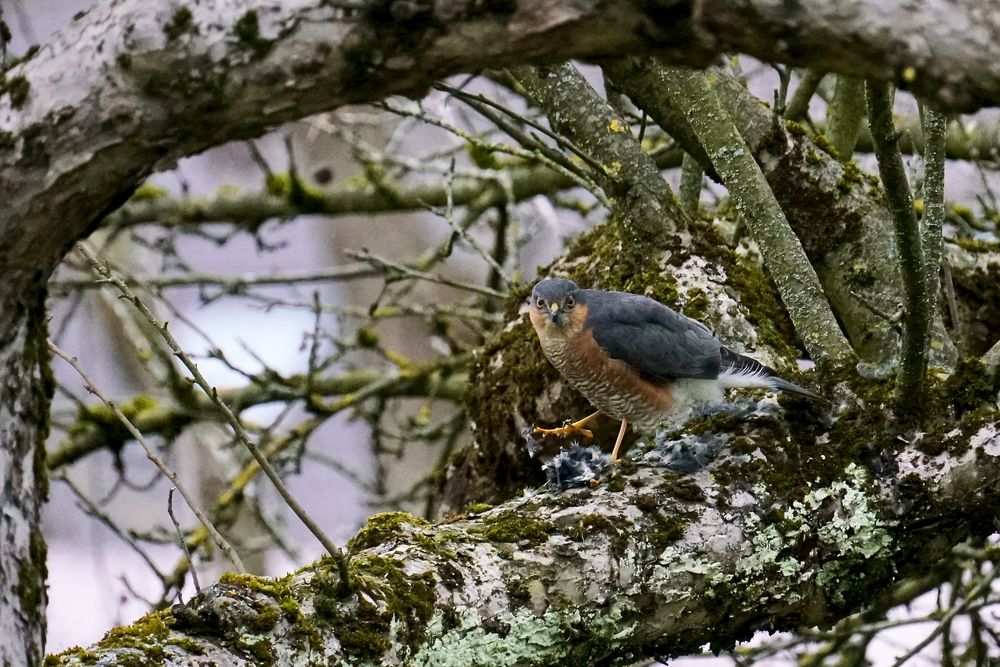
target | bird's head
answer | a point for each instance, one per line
(552, 302)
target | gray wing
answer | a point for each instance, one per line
(656, 342)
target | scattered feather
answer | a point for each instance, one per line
(575, 466)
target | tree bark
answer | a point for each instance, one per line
(793, 525)
(25, 390)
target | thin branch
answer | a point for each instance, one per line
(91, 508)
(403, 270)
(645, 208)
(692, 179)
(230, 284)
(916, 321)
(181, 540)
(932, 241)
(798, 106)
(151, 455)
(232, 419)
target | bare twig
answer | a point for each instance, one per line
(151, 455)
(181, 540)
(91, 508)
(231, 284)
(234, 422)
(402, 269)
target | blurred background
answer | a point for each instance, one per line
(269, 297)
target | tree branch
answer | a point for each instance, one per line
(837, 215)
(645, 208)
(916, 322)
(932, 240)
(631, 569)
(783, 255)
(845, 114)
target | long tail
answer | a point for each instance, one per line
(741, 371)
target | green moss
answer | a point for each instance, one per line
(247, 30)
(181, 22)
(797, 129)
(682, 488)
(763, 307)
(306, 198)
(33, 151)
(483, 156)
(146, 635)
(969, 386)
(202, 84)
(616, 484)
(667, 530)
(99, 424)
(696, 305)
(381, 527)
(17, 87)
(124, 61)
(393, 601)
(514, 527)
(976, 245)
(30, 586)
(824, 144)
(366, 338)
(148, 191)
(647, 503)
(7, 141)
(478, 508)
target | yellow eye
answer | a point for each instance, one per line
(570, 302)
(540, 303)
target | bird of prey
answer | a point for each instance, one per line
(635, 359)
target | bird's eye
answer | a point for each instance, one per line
(570, 302)
(540, 303)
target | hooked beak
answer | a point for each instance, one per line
(553, 311)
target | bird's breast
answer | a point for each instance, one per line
(609, 384)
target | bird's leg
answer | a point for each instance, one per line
(571, 429)
(618, 442)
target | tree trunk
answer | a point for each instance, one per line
(25, 393)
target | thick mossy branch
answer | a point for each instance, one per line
(783, 254)
(917, 315)
(793, 524)
(645, 209)
(845, 114)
